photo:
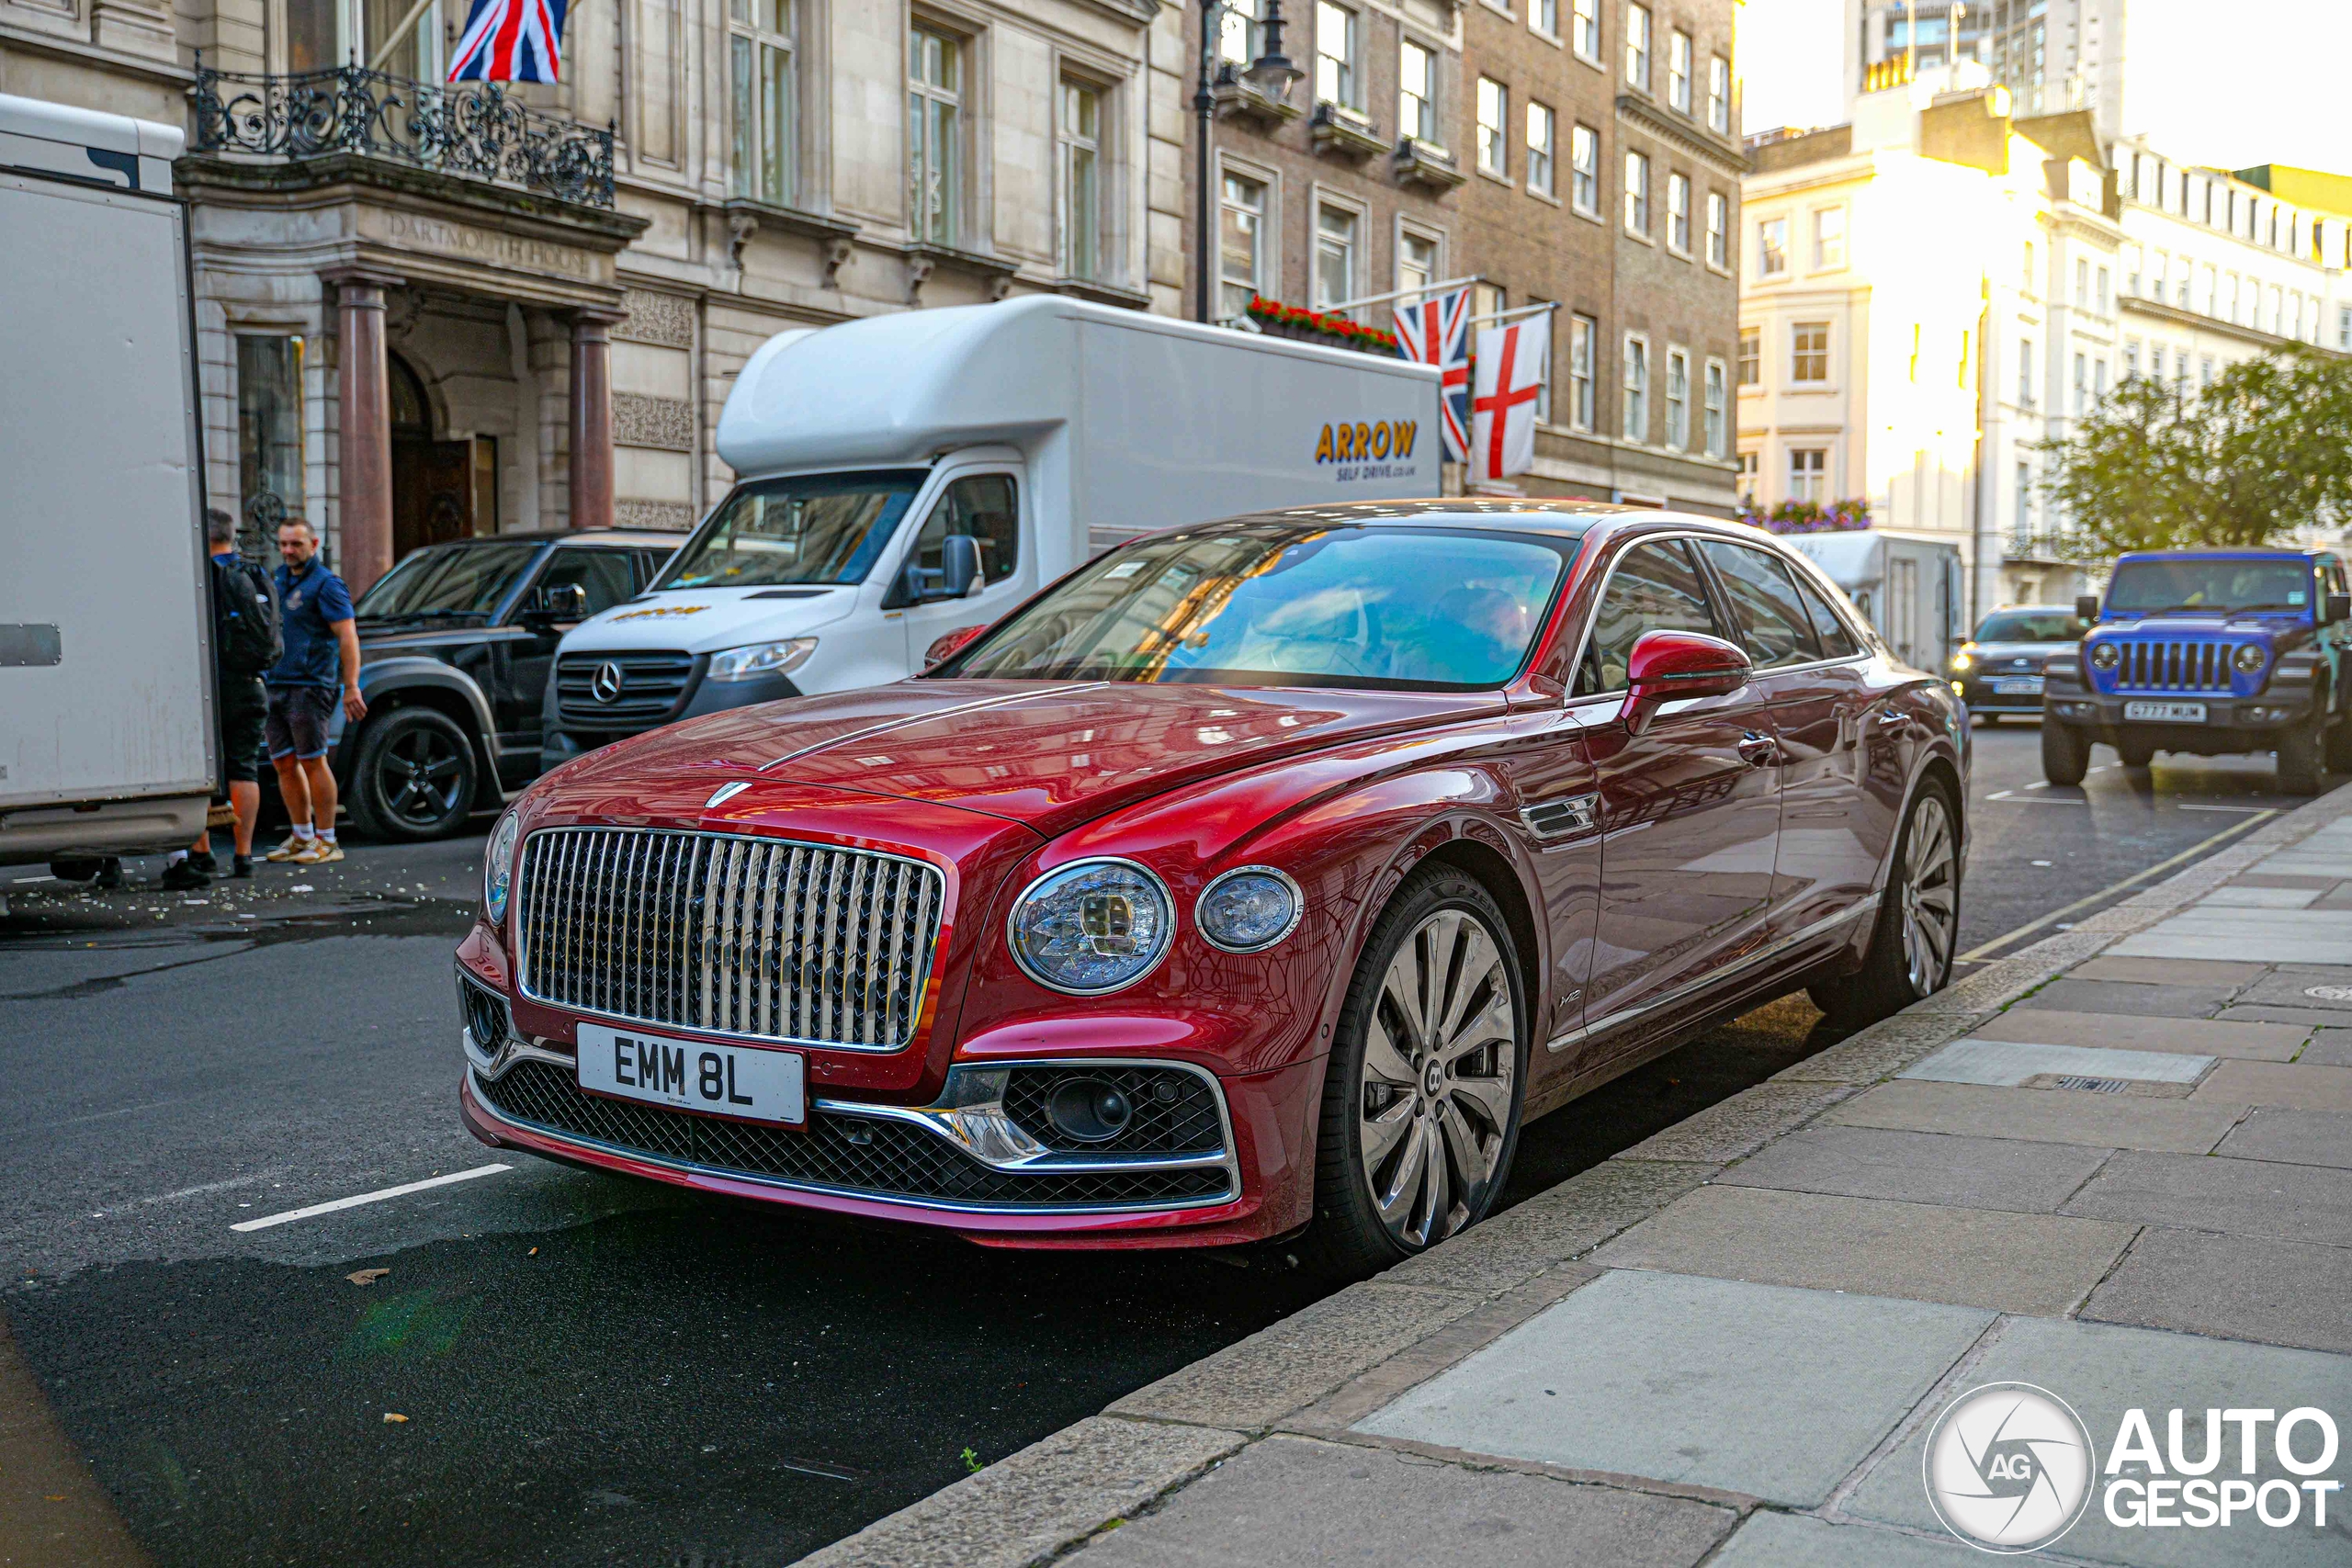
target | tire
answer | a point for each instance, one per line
(2136, 753)
(1918, 927)
(1381, 1122)
(1989, 720)
(2338, 748)
(75, 868)
(412, 777)
(2300, 763)
(2065, 752)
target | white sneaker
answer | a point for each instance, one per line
(319, 852)
(290, 849)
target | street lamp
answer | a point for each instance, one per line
(1269, 76)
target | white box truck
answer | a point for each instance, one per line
(107, 743)
(904, 475)
(1908, 588)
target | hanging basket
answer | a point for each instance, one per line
(1295, 321)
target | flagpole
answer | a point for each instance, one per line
(1451, 283)
(397, 34)
(1501, 316)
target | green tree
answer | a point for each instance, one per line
(2266, 448)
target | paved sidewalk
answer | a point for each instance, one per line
(2117, 1165)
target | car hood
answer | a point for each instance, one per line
(2182, 628)
(1050, 756)
(2010, 652)
(704, 620)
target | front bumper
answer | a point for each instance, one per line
(1977, 691)
(563, 739)
(2270, 712)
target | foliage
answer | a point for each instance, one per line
(2263, 450)
(1298, 318)
(1809, 516)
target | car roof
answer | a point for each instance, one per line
(2277, 554)
(604, 539)
(1563, 519)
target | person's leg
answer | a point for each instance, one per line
(295, 790)
(245, 798)
(322, 795)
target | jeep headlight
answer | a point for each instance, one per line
(2250, 658)
(1091, 927)
(761, 658)
(2106, 656)
(1247, 910)
(498, 869)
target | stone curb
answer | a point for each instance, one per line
(1312, 1371)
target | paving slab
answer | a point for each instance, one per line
(2136, 1000)
(1920, 1167)
(2296, 1084)
(2300, 989)
(2003, 1260)
(2239, 1287)
(2047, 1116)
(2252, 936)
(1774, 1539)
(2245, 1197)
(1298, 1503)
(2329, 1048)
(2301, 1017)
(2292, 1137)
(2009, 1062)
(1740, 1125)
(2159, 972)
(1569, 1221)
(2267, 879)
(2101, 1371)
(2323, 864)
(1722, 1372)
(2261, 1042)
(2239, 897)
(1880, 1051)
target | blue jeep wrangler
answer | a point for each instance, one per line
(2210, 651)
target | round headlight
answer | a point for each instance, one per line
(1091, 927)
(2106, 656)
(1247, 910)
(498, 869)
(2250, 657)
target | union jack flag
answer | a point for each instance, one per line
(1437, 332)
(511, 40)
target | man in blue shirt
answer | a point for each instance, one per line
(322, 653)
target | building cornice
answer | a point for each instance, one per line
(1684, 134)
(114, 60)
(2158, 310)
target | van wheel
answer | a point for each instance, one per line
(2298, 757)
(412, 778)
(1918, 921)
(1426, 1080)
(2065, 752)
(2338, 749)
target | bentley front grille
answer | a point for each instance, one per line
(766, 939)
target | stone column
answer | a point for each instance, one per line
(592, 419)
(364, 424)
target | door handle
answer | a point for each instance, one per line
(1758, 750)
(1888, 717)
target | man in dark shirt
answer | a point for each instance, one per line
(322, 653)
(238, 662)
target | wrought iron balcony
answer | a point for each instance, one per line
(475, 131)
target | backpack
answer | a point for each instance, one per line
(251, 637)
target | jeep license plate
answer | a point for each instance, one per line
(2167, 713)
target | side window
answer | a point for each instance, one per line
(1656, 587)
(648, 566)
(985, 507)
(606, 575)
(1773, 622)
(1836, 642)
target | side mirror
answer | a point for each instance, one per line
(2087, 607)
(2336, 607)
(959, 565)
(948, 646)
(1668, 666)
(559, 602)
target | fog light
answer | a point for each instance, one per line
(1089, 1110)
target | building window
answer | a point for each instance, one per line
(766, 100)
(2103, 278)
(1829, 238)
(1081, 180)
(1584, 338)
(1237, 34)
(2204, 371)
(1584, 169)
(1718, 408)
(1638, 192)
(1493, 100)
(935, 136)
(2082, 385)
(2132, 360)
(1544, 16)
(1637, 47)
(1416, 92)
(1585, 17)
(1678, 398)
(1772, 247)
(2098, 382)
(1242, 244)
(1678, 212)
(269, 439)
(1809, 352)
(1334, 55)
(2344, 327)
(1335, 256)
(1751, 356)
(1719, 95)
(2155, 362)
(1539, 333)
(1416, 262)
(1678, 71)
(2082, 284)
(1808, 472)
(1539, 149)
(1718, 230)
(2025, 373)
(1637, 390)
(2025, 279)
(2025, 500)
(1746, 483)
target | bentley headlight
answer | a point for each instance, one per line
(498, 869)
(2106, 656)
(1247, 910)
(761, 658)
(1091, 927)
(2249, 658)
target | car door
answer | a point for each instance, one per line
(1689, 809)
(607, 576)
(984, 503)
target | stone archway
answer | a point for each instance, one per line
(433, 479)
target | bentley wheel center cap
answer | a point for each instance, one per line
(1432, 1079)
(607, 683)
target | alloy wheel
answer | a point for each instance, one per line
(1441, 1057)
(1931, 894)
(421, 777)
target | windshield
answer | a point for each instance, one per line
(810, 528)
(2152, 587)
(1279, 604)
(447, 583)
(2031, 625)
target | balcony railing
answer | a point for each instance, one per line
(475, 131)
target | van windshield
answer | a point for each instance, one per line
(2154, 587)
(804, 528)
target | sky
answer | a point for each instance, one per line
(2228, 96)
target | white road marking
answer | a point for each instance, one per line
(401, 1190)
(2014, 798)
(2249, 810)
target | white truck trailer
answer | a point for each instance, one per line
(107, 741)
(904, 475)
(1910, 589)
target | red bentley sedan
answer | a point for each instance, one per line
(1255, 878)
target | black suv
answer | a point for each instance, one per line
(455, 643)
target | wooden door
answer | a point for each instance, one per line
(432, 494)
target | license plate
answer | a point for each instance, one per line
(2023, 686)
(2167, 713)
(732, 1080)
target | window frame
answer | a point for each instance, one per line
(1637, 191)
(1819, 473)
(1748, 359)
(1719, 95)
(1767, 249)
(1799, 353)
(1347, 66)
(1584, 349)
(1426, 98)
(1326, 200)
(1829, 237)
(948, 173)
(769, 150)
(1678, 404)
(1266, 240)
(1640, 33)
(1678, 213)
(1682, 58)
(1584, 22)
(1718, 231)
(1541, 161)
(1068, 145)
(1493, 135)
(1584, 171)
(1633, 390)
(1716, 406)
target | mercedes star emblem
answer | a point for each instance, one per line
(607, 685)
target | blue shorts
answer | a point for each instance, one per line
(297, 725)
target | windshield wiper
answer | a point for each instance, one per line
(420, 615)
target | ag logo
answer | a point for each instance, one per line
(2009, 1467)
(606, 684)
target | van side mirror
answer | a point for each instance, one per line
(2336, 607)
(1665, 667)
(958, 574)
(558, 601)
(2087, 607)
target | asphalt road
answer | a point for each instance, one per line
(590, 1370)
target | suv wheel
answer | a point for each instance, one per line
(2065, 752)
(1918, 921)
(414, 776)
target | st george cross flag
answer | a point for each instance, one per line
(1510, 374)
(511, 40)
(1437, 332)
